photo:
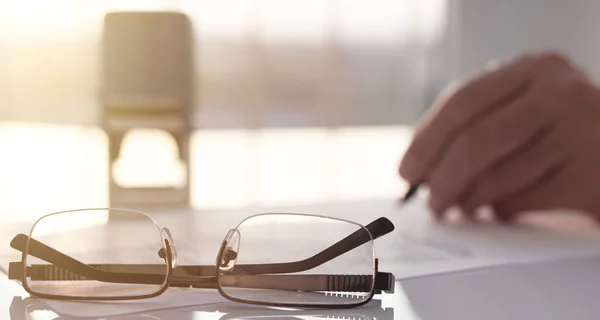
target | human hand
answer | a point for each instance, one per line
(522, 137)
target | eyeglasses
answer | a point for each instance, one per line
(272, 259)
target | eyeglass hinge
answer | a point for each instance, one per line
(384, 281)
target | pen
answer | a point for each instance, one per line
(410, 193)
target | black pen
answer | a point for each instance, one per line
(410, 193)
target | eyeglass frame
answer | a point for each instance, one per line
(380, 281)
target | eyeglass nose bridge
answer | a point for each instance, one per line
(166, 233)
(229, 251)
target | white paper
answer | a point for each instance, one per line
(422, 247)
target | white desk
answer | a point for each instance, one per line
(565, 289)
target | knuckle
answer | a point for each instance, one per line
(550, 59)
(576, 86)
(459, 97)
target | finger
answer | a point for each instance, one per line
(469, 214)
(546, 150)
(547, 193)
(475, 99)
(506, 131)
(503, 215)
(487, 142)
(458, 107)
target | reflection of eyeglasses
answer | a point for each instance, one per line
(268, 259)
(373, 312)
(26, 308)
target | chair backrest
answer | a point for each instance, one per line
(147, 62)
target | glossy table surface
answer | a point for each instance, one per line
(530, 290)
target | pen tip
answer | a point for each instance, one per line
(410, 193)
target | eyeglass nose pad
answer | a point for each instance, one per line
(230, 250)
(174, 257)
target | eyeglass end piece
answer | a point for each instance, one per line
(15, 271)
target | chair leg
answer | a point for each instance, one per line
(115, 141)
(183, 145)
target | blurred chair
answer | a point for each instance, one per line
(147, 83)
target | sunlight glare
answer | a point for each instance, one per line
(292, 166)
(47, 168)
(293, 21)
(222, 20)
(366, 161)
(380, 21)
(221, 168)
(149, 158)
(68, 221)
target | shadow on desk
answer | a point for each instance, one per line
(33, 308)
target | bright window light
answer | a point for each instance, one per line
(149, 158)
(221, 168)
(47, 168)
(294, 21)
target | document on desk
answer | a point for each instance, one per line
(420, 247)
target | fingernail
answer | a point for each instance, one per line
(410, 168)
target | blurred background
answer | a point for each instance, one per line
(289, 102)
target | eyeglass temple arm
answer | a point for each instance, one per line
(71, 265)
(310, 282)
(377, 228)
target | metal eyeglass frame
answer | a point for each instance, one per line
(64, 267)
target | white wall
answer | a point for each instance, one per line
(495, 29)
(259, 63)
